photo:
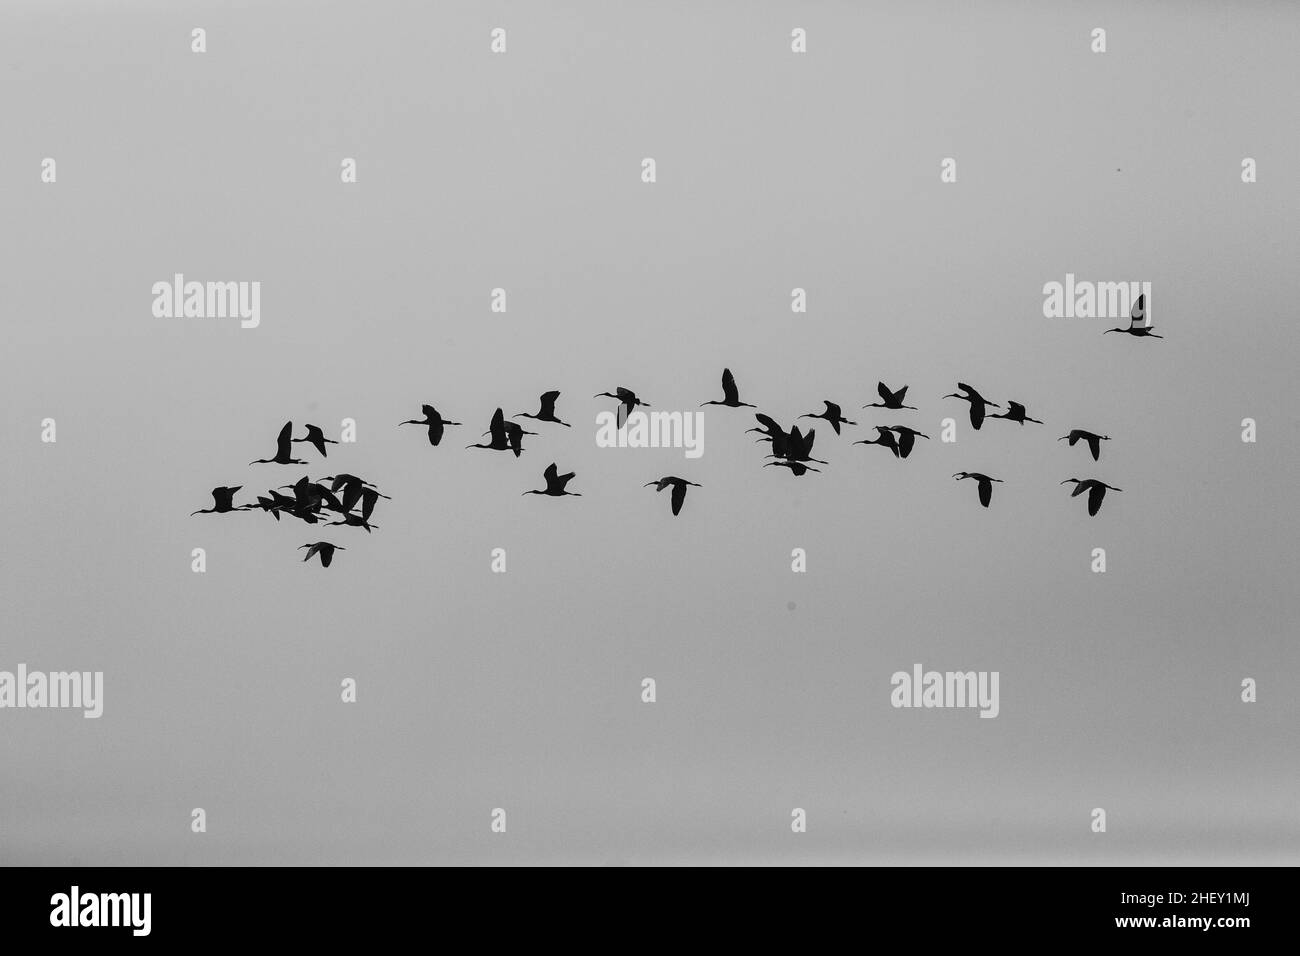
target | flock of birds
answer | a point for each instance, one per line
(350, 500)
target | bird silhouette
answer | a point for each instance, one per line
(317, 439)
(678, 486)
(353, 488)
(832, 415)
(1096, 491)
(978, 404)
(547, 412)
(1138, 321)
(503, 438)
(797, 447)
(324, 549)
(906, 439)
(888, 399)
(1094, 441)
(311, 496)
(885, 438)
(283, 449)
(730, 396)
(627, 398)
(984, 483)
(1016, 413)
(771, 432)
(798, 468)
(222, 502)
(353, 521)
(433, 421)
(555, 483)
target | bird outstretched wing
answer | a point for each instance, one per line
(729, 392)
(679, 495)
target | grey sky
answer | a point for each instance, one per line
(775, 170)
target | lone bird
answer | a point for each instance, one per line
(1138, 321)
(978, 404)
(555, 483)
(626, 397)
(678, 486)
(1096, 491)
(1094, 441)
(884, 437)
(984, 482)
(317, 439)
(222, 502)
(906, 438)
(433, 421)
(547, 412)
(730, 396)
(324, 549)
(832, 415)
(283, 450)
(892, 400)
(1016, 413)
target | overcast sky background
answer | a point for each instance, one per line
(522, 690)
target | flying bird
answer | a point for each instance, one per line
(1093, 441)
(626, 397)
(555, 483)
(283, 450)
(1096, 491)
(832, 415)
(1138, 321)
(678, 486)
(884, 437)
(353, 489)
(892, 400)
(547, 412)
(506, 436)
(222, 502)
(797, 447)
(730, 396)
(978, 404)
(433, 421)
(353, 521)
(798, 468)
(984, 482)
(906, 439)
(1016, 413)
(317, 439)
(324, 549)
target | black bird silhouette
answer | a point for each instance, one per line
(1138, 321)
(555, 483)
(1096, 491)
(890, 399)
(222, 502)
(1094, 441)
(906, 439)
(626, 397)
(324, 549)
(832, 415)
(978, 404)
(678, 486)
(353, 521)
(730, 396)
(797, 447)
(884, 437)
(547, 412)
(771, 432)
(433, 420)
(317, 439)
(1016, 413)
(353, 488)
(983, 481)
(283, 449)
(500, 436)
(797, 467)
